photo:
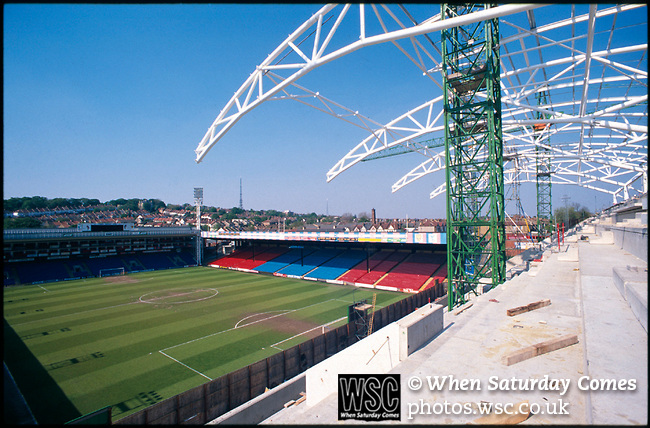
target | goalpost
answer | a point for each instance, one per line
(112, 272)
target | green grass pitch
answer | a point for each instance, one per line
(131, 341)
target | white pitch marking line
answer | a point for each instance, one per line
(284, 311)
(250, 323)
(307, 331)
(185, 365)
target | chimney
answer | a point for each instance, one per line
(374, 216)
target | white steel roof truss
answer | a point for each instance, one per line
(619, 119)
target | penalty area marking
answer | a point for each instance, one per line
(305, 332)
(284, 311)
(250, 323)
(185, 365)
(144, 299)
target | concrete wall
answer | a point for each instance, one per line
(263, 406)
(632, 239)
(376, 354)
(418, 328)
(626, 224)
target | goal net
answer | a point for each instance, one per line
(111, 272)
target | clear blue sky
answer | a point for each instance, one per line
(110, 101)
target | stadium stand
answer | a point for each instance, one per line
(44, 255)
(234, 260)
(413, 272)
(337, 266)
(249, 258)
(60, 270)
(31, 272)
(309, 263)
(440, 275)
(184, 258)
(9, 276)
(155, 261)
(383, 267)
(291, 256)
(364, 267)
(97, 264)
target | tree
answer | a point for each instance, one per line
(573, 214)
(57, 202)
(22, 223)
(347, 217)
(34, 202)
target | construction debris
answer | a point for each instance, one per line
(290, 403)
(529, 307)
(463, 308)
(539, 349)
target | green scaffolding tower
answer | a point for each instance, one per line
(474, 154)
(543, 173)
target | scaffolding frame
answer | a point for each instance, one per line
(543, 170)
(474, 153)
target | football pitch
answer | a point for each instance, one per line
(130, 341)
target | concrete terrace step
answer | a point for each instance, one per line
(632, 283)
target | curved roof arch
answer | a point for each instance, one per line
(593, 73)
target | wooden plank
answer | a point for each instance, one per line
(539, 349)
(529, 307)
(463, 308)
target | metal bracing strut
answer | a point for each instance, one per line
(474, 153)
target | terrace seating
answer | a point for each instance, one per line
(234, 259)
(412, 273)
(261, 256)
(33, 272)
(78, 269)
(337, 266)
(383, 268)
(184, 258)
(362, 268)
(97, 264)
(249, 258)
(440, 275)
(283, 260)
(309, 263)
(155, 261)
(59, 270)
(9, 277)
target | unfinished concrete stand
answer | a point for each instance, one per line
(632, 283)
